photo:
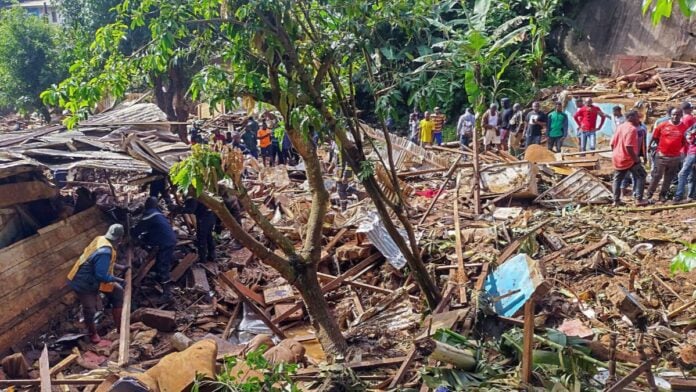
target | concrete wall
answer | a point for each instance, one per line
(604, 29)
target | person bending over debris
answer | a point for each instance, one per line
(205, 223)
(626, 158)
(93, 272)
(670, 139)
(159, 188)
(84, 199)
(155, 230)
(586, 117)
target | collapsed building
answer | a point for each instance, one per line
(587, 283)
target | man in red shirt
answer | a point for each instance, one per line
(687, 168)
(586, 118)
(670, 139)
(625, 158)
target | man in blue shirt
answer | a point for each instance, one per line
(93, 273)
(155, 230)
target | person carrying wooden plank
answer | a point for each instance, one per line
(155, 230)
(93, 272)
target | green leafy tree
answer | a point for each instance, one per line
(32, 57)
(659, 9)
(300, 57)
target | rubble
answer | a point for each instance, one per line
(545, 253)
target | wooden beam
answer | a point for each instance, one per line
(184, 264)
(44, 371)
(145, 268)
(124, 338)
(334, 284)
(36, 382)
(63, 364)
(332, 244)
(228, 328)
(462, 277)
(528, 342)
(24, 192)
(621, 384)
(252, 305)
(476, 189)
(361, 285)
(442, 188)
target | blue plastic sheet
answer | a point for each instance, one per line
(518, 273)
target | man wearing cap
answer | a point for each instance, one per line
(93, 273)
(155, 230)
(439, 120)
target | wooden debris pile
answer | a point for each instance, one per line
(533, 280)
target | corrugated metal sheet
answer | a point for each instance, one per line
(580, 187)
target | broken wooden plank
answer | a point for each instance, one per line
(410, 357)
(681, 384)
(241, 289)
(228, 328)
(362, 285)
(259, 312)
(24, 192)
(36, 382)
(334, 284)
(145, 268)
(282, 308)
(355, 365)
(282, 293)
(159, 319)
(528, 341)
(512, 248)
(462, 277)
(592, 247)
(200, 279)
(325, 253)
(44, 371)
(183, 266)
(64, 363)
(448, 176)
(621, 384)
(124, 338)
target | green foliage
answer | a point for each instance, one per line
(32, 57)
(200, 172)
(659, 9)
(275, 378)
(367, 169)
(685, 260)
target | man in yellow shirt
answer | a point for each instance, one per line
(426, 130)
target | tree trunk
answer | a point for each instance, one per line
(299, 273)
(328, 332)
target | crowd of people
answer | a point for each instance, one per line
(671, 152)
(267, 140)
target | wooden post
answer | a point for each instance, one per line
(442, 187)
(462, 277)
(528, 342)
(44, 371)
(124, 339)
(477, 178)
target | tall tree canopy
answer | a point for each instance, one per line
(32, 57)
